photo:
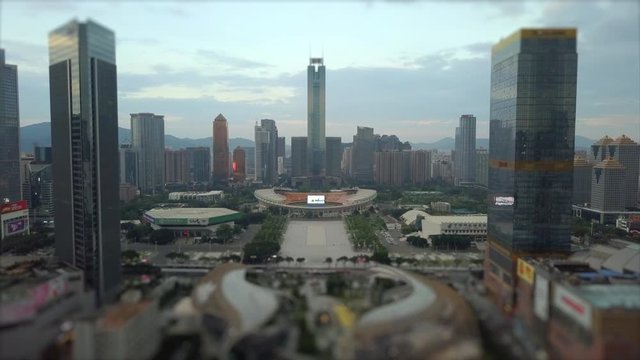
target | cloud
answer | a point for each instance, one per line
(229, 61)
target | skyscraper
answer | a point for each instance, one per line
(147, 139)
(482, 167)
(298, 156)
(364, 146)
(84, 138)
(333, 156)
(581, 181)
(420, 166)
(608, 185)
(220, 148)
(316, 143)
(532, 129)
(250, 161)
(627, 153)
(176, 166)
(239, 164)
(199, 164)
(465, 154)
(281, 154)
(9, 132)
(128, 165)
(266, 137)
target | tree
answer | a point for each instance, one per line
(300, 260)
(161, 236)
(130, 255)
(418, 241)
(328, 260)
(224, 232)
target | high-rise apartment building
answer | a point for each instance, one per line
(333, 156)
(176, 166)
(281, 155)
(250, 161)
(346, 161)
(199, 159)
(316, 143)
(147, 139)
(627, 153)
(220, 148)
(581, 181)
(128, 165)
(84, 136)
(266, 137)
(420, 166)
(239, 164)
(608, 186)
(362, 154)
(465, 154)
(9, 132)
(389, 167)
(482, 167)
(298, 156)
(532, 129)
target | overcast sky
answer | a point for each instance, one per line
(409, 68)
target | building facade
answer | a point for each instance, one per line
(627, 153)
(420, 166)
(482, 167)
(84, 134)
(581, 181)
(9, 132)
(608, 186)
(316, 143)
(532, 130)
(333, 156)
(465, 154)
(147, 139)
(176, 166)
(362, 154)
(298, 156)
(239, 164)
(281, 155)
(250, 158)
(128, 165)
(266, 137)
(220, 148)
(199, 164)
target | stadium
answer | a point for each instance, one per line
(333, 203)
(190, 221)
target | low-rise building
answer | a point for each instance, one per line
(440, 206)
(128, 192)
(472, 225)
(391, 223)
(206, 196)
(186, 222)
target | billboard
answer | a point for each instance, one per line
(525, 271)
(541, 298)
(14, 218)
(576, 308)
(315, 199)
(13, 207)
(503, 200)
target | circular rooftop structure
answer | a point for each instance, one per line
(331, 203)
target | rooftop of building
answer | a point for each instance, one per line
(581, 161)
(457, 219)
(120, 314)
(18, 278)
(604, 140)
(625, 296)
(189, 213)
(620, 256)
(609, 163)
(624, 140)
(585, 278)
(196, 193)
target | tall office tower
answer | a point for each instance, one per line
(364, 145)
(600, 150)
(250, 161)
(9, 132)
(147, 139)
(465, 160)
(43, 154)
(266, 147)
(532, 129)
(220, 148)
(346, 161)
(128, 165)
(333, 156)
(627, 153)
(298, 156)
(482, 167)
(281, 154)
(420, 166)
(84, 138)
(389, 167)
(608, 185)
(316, 143)
(239, 164)
(37, 190)
(581, 181)
(199, 166)
(176, 166)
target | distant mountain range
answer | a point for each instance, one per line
(40, 134)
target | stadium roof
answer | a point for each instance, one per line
(189, 213)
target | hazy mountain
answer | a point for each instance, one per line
(40, 134)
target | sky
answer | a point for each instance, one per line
(408, 68)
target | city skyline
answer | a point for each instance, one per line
(427, 76)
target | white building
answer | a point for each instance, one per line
(209, 196)
(474, 225)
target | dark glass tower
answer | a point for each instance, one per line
(316, 143)
(84, 136)
(532, 128)
(9, 132)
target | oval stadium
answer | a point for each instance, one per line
(334, 203)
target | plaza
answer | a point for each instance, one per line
(315, 240)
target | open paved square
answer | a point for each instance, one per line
(315, 240)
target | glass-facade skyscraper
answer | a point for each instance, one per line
(316, 143)
(84, 138)
(532, 129)
(266, 163)
(9, 132)
(465, 154)
(147, 139)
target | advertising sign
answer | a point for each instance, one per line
(315, 199)
(525, 271)
(574, 307)
(14, 206)
(195, 221)
(541, 298)
(15, 226)
(503, 200)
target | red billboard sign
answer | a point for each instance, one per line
(13, 206)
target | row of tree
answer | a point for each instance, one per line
(363, 236)
(266, 242)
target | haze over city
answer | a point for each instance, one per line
(404, 68)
